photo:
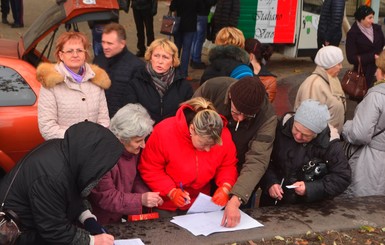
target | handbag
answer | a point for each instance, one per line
(170, 24)
(354, 83)
(351, 149)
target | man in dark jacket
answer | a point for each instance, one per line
(330, 23)
(252, 123)
(119, 63)
(51, 184)
(307, 163)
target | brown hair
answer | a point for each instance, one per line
(71, 35)
(167, 46)
(115, 27)
(260, 51)
(230, 36)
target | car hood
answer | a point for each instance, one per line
(71, 11)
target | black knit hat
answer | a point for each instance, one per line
(247, 95)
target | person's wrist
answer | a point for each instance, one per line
(236, 201)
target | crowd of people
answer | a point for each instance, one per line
(125, 135)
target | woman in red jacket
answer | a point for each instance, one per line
(184, 153)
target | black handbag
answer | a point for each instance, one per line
(314, 169)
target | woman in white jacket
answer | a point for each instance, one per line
(72, 91)
(365, 129)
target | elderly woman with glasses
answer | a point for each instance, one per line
(73, 90)
(185, 153)
(121, 191)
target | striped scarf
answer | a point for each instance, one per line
(161, 81)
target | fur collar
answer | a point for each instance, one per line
(48, 75)
(229, 52)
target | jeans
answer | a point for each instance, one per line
(183, 41)
(199, 39)
(97, 32)
(144, 18)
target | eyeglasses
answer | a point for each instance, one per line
(73, 51)
(240, 113)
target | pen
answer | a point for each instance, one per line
(181, 187)
(236, 127)
(103, 230)
(276, 200)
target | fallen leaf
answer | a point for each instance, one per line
(279, 238)
(252, 243)
(367, 228)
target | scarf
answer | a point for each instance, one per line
(379, 82)
(368, 32)
(161, 81)
(78, 77)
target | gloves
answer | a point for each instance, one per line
(179, 197)
(221, 195)
(93, 227)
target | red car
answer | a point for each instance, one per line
(19, 89)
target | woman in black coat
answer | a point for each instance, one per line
(159, 87)
(366, 40)
(52, 182)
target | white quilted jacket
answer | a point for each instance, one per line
(63, 102)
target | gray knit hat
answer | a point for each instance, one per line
(312, 115)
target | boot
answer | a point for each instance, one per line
(4, 19)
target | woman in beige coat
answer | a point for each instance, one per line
(323, 85)
(72, 91)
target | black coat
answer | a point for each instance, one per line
(226, 14)
(330, 22)
(223, 60)
(288, 158)
(47, 194)
(358, 44)
(187, 11)
(143, 91)
(120, 69)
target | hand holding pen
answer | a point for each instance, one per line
(179, 197)
(276, 191)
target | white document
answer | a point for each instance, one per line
(203, 204)
(134, 241)
(291, 186)
(208, 223)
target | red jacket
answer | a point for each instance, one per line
(170, 158)
(119, 192)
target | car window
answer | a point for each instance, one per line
(14, 90)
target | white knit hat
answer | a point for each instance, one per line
(329, 56)
(312, 115)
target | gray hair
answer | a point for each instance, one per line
(130, 121)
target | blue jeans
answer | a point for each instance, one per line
(97, 32)
(183, 41)
(199, 39)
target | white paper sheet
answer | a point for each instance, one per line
(203, 204)
(208, 223)
(134, 241)
(291, 186)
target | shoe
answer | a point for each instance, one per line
(198, 65)
(140, 54)
(15, 25)
(4, 20)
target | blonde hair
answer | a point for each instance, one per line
(380, 61)
(230, 36)
(71, 35)
(207, 122)
(167, 46)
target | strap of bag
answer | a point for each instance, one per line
(359, 65)
(379, 132)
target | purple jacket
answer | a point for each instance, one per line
(119, 191)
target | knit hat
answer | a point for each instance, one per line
(329, 56)
(312, 115)
(241, 71)
(247, 95)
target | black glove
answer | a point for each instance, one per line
(92, 226)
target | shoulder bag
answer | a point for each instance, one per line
(170, 24)
(350, 149)
(354, 83)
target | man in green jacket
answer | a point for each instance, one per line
(252, 122)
